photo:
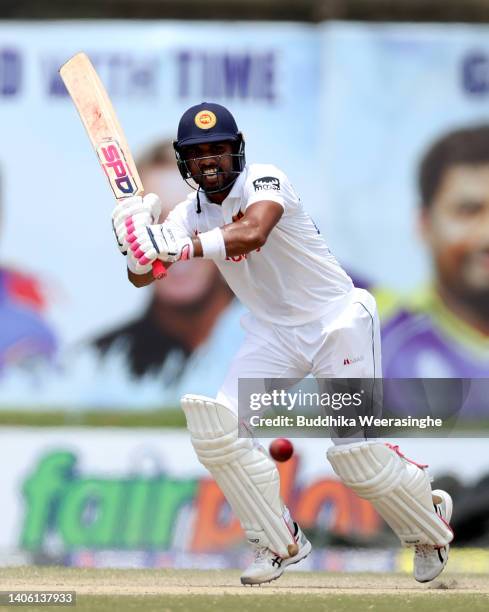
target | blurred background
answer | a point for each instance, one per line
(378, 111)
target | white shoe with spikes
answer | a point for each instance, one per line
(429, 561)
(268, 566)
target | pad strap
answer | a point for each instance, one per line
(398, 488)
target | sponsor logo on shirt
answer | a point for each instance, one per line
(351, 360)
(267, 182)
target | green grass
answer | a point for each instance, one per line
(167, 590)
(257, 602)
(280, 603)
(172, 417)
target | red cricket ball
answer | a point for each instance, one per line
(281, 449)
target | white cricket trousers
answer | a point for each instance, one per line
(344, 343)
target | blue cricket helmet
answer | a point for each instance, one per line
(208, 122)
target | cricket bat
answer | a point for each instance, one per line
(104, 130)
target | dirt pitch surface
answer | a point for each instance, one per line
(205, 591)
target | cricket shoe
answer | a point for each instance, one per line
(429, 561)
(268, 566)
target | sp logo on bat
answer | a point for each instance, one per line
(116, 168)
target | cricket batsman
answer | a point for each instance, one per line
(305, 317)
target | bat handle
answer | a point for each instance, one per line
(159, 270)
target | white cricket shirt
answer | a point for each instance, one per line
(293, 279)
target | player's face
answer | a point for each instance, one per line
(211, 164)
(456, 227)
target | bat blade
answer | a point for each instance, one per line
(104, 131)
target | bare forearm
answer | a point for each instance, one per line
(140, 280)
(239, 237)
(243, 237)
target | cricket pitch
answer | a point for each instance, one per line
(205, 591)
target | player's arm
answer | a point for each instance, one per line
(142, 280)
(170, 242)
(248, 233)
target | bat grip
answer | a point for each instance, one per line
(159, 270)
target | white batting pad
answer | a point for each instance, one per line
(246, 475)
(398, 488)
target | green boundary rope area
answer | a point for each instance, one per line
(172, 417)
(167, 417)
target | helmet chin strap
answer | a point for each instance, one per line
(199, 208)
(199, 189)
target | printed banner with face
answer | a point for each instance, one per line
(406, 163)
(382, 129)
(64, 293)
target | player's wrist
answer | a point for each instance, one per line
(213, 245)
